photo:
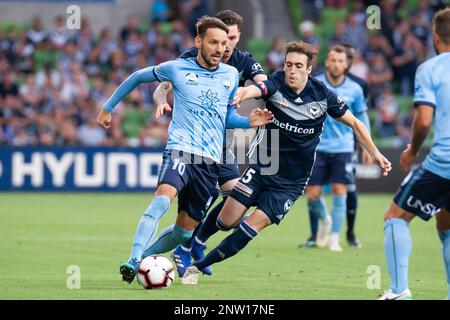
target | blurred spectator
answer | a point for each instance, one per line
(194, 10)
(407, 55)
(340, 35)
(91, 134)
(359, 67)
(9, 86)
(37, 35)
(307, 34)
(356, 32)
(275, 57)
(404, 126)
(387, 114)
(131, 26)
(60, 34)
(380, 75)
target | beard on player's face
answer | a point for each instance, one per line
(208, 57)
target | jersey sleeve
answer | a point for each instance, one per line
(336, 107)
(267, 88)
(424, 93)
(165, 71)
(251, 68)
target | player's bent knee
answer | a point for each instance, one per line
(222, 226)
(180, 234)
(395, 212)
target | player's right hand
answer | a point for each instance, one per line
(161, 109)
(383, 163)
(104, 119)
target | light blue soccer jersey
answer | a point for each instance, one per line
(336, 136)
(432, 87)
(201, 99)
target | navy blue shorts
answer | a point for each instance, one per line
(228, 170)
(332, 168)
(272, 194)
(195, 179)
(423, 193)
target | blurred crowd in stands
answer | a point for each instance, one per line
(52, 82)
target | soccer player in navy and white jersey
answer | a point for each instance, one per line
(228, 171)
(425, 192)
(203, 87)
(334, 160)
(299, 105)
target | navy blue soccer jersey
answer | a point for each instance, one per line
(297, 122)
(243, 61)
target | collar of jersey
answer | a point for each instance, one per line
(206, 68)
(333, 86)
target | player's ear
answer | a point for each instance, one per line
(309, 69)
(198, 42)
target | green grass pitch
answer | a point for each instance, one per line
(43, 234)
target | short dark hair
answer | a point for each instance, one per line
(441, 25)
(205, 23)
(338, 48)
(230, 18)
(350, 50)
(303, 48)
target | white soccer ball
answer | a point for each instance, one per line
(156, 272)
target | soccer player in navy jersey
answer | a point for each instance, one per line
(228, 171)
(299, 105)
(425, 192)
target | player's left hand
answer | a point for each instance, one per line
(383, 163)
(407, 158)
(260, 117)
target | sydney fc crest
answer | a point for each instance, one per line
(226, 83)
(191, 79)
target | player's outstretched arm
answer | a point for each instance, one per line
(128, 85)
(245, 93)
(422, 122)
(160, 99)
(363, 136)
(256, 118)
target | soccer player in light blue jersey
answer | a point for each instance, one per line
(425, 192)
(203, 88)
(334, 153)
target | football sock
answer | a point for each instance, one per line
(397, 249)
(148, 225)
(186, 246)
(209, 225)
(317, 209)
(445, 239)
(168, 239)
(352, 203)
(338, 212)
(229, 246)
